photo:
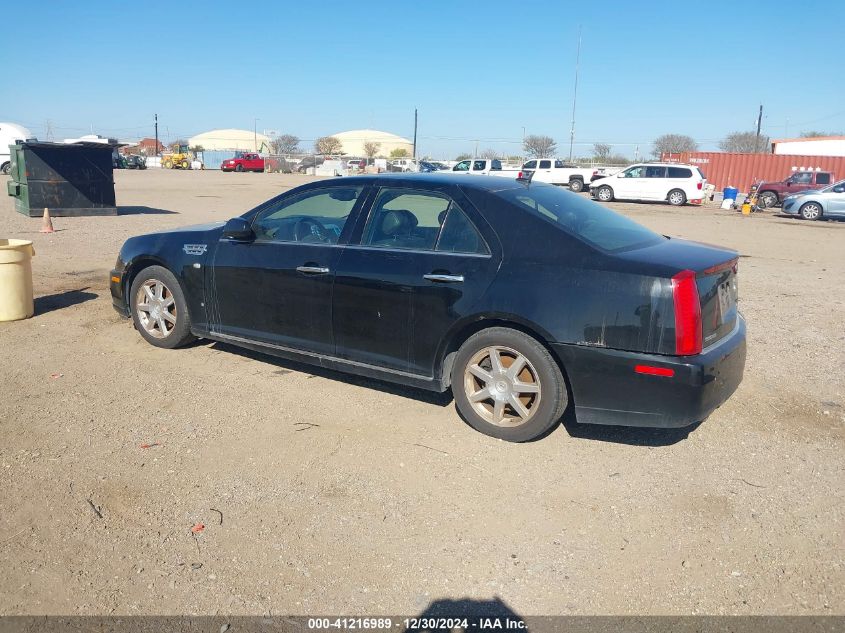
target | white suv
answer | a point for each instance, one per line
(675, 183)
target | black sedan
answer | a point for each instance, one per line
(523, 299)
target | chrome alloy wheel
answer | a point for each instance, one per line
(502, 386)
(676, 198)
(156, 308)
(604, 194)
(811, 211)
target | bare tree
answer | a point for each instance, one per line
(673, 144)
(285, 144)
(817, 134)
(539, 146)
(371, 148)
(601, 151)
(464, 156)
(490, 154)
(328, 145)
(745, 142)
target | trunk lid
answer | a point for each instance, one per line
(716, 279)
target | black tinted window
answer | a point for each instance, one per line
(405, 218)
(545, 164)
(478, 165)
(459, 234)
(822, 179)
(531, 164)
(559, 164)
(316, 217)
(679, 172)
(495, 164)
(654, 171)
(591, 222)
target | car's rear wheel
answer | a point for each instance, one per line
(158, 308)
(576, 185)
(811, 211)
(185, 164)
(676, 197)
(767, 200)
(604, 193)
(5, 169)
(507, 385)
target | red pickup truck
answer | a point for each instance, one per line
(243, 161)
(770, 194)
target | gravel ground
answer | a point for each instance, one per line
(325, 493)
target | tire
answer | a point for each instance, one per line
(676, 198)
(185, 164)
(540, 381)
(149, 321)
(811, 211)
(767, 200)
(6, 168)
(576, 185)
(167, 164)
(605, 193)
(239, 168)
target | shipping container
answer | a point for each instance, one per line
(724, 169)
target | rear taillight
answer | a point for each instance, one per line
(519, 176)
(699, 185)
(687, 314)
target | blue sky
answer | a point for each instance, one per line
(477, 71)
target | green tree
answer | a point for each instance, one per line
(399, 152)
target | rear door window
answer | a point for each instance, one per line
(655, 171)
(822, 179)
(459, 234)
(559, 164)
(679, 172)
(495, 165)
(406, 219)
(478, 165)
(545, 164)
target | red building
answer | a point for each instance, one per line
(147, 146)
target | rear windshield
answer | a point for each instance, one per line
(589, 221)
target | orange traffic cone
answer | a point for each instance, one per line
(47, 225)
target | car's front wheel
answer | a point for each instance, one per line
(239, 168)
(158, 307)
(604, 193)
(676, 197)
(811, 211)
(507, 385)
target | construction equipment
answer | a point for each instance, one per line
(180, 159)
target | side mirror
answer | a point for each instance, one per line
(238, 230)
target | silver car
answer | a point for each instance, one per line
(815, 205)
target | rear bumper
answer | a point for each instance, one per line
(607, 390)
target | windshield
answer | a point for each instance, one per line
(589, 221)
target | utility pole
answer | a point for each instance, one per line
(575, 96)
(415, 133)
(255, 134)
(157, 152)
(759, 122)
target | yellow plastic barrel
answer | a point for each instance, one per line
(16, 280)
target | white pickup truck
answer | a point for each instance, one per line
(9, 135)
(556, 172)
(485, 167)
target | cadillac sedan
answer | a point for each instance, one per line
(523, 299)
(816, 205)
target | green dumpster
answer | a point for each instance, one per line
(70, 179)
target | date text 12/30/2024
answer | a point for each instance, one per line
(416, 624)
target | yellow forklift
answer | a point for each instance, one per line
(180, 159)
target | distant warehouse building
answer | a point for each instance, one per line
(218, 145)
(354, 141)
(812, 146)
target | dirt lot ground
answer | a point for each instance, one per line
(343, 495)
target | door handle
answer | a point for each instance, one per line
(444, 278)
(312, 270)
